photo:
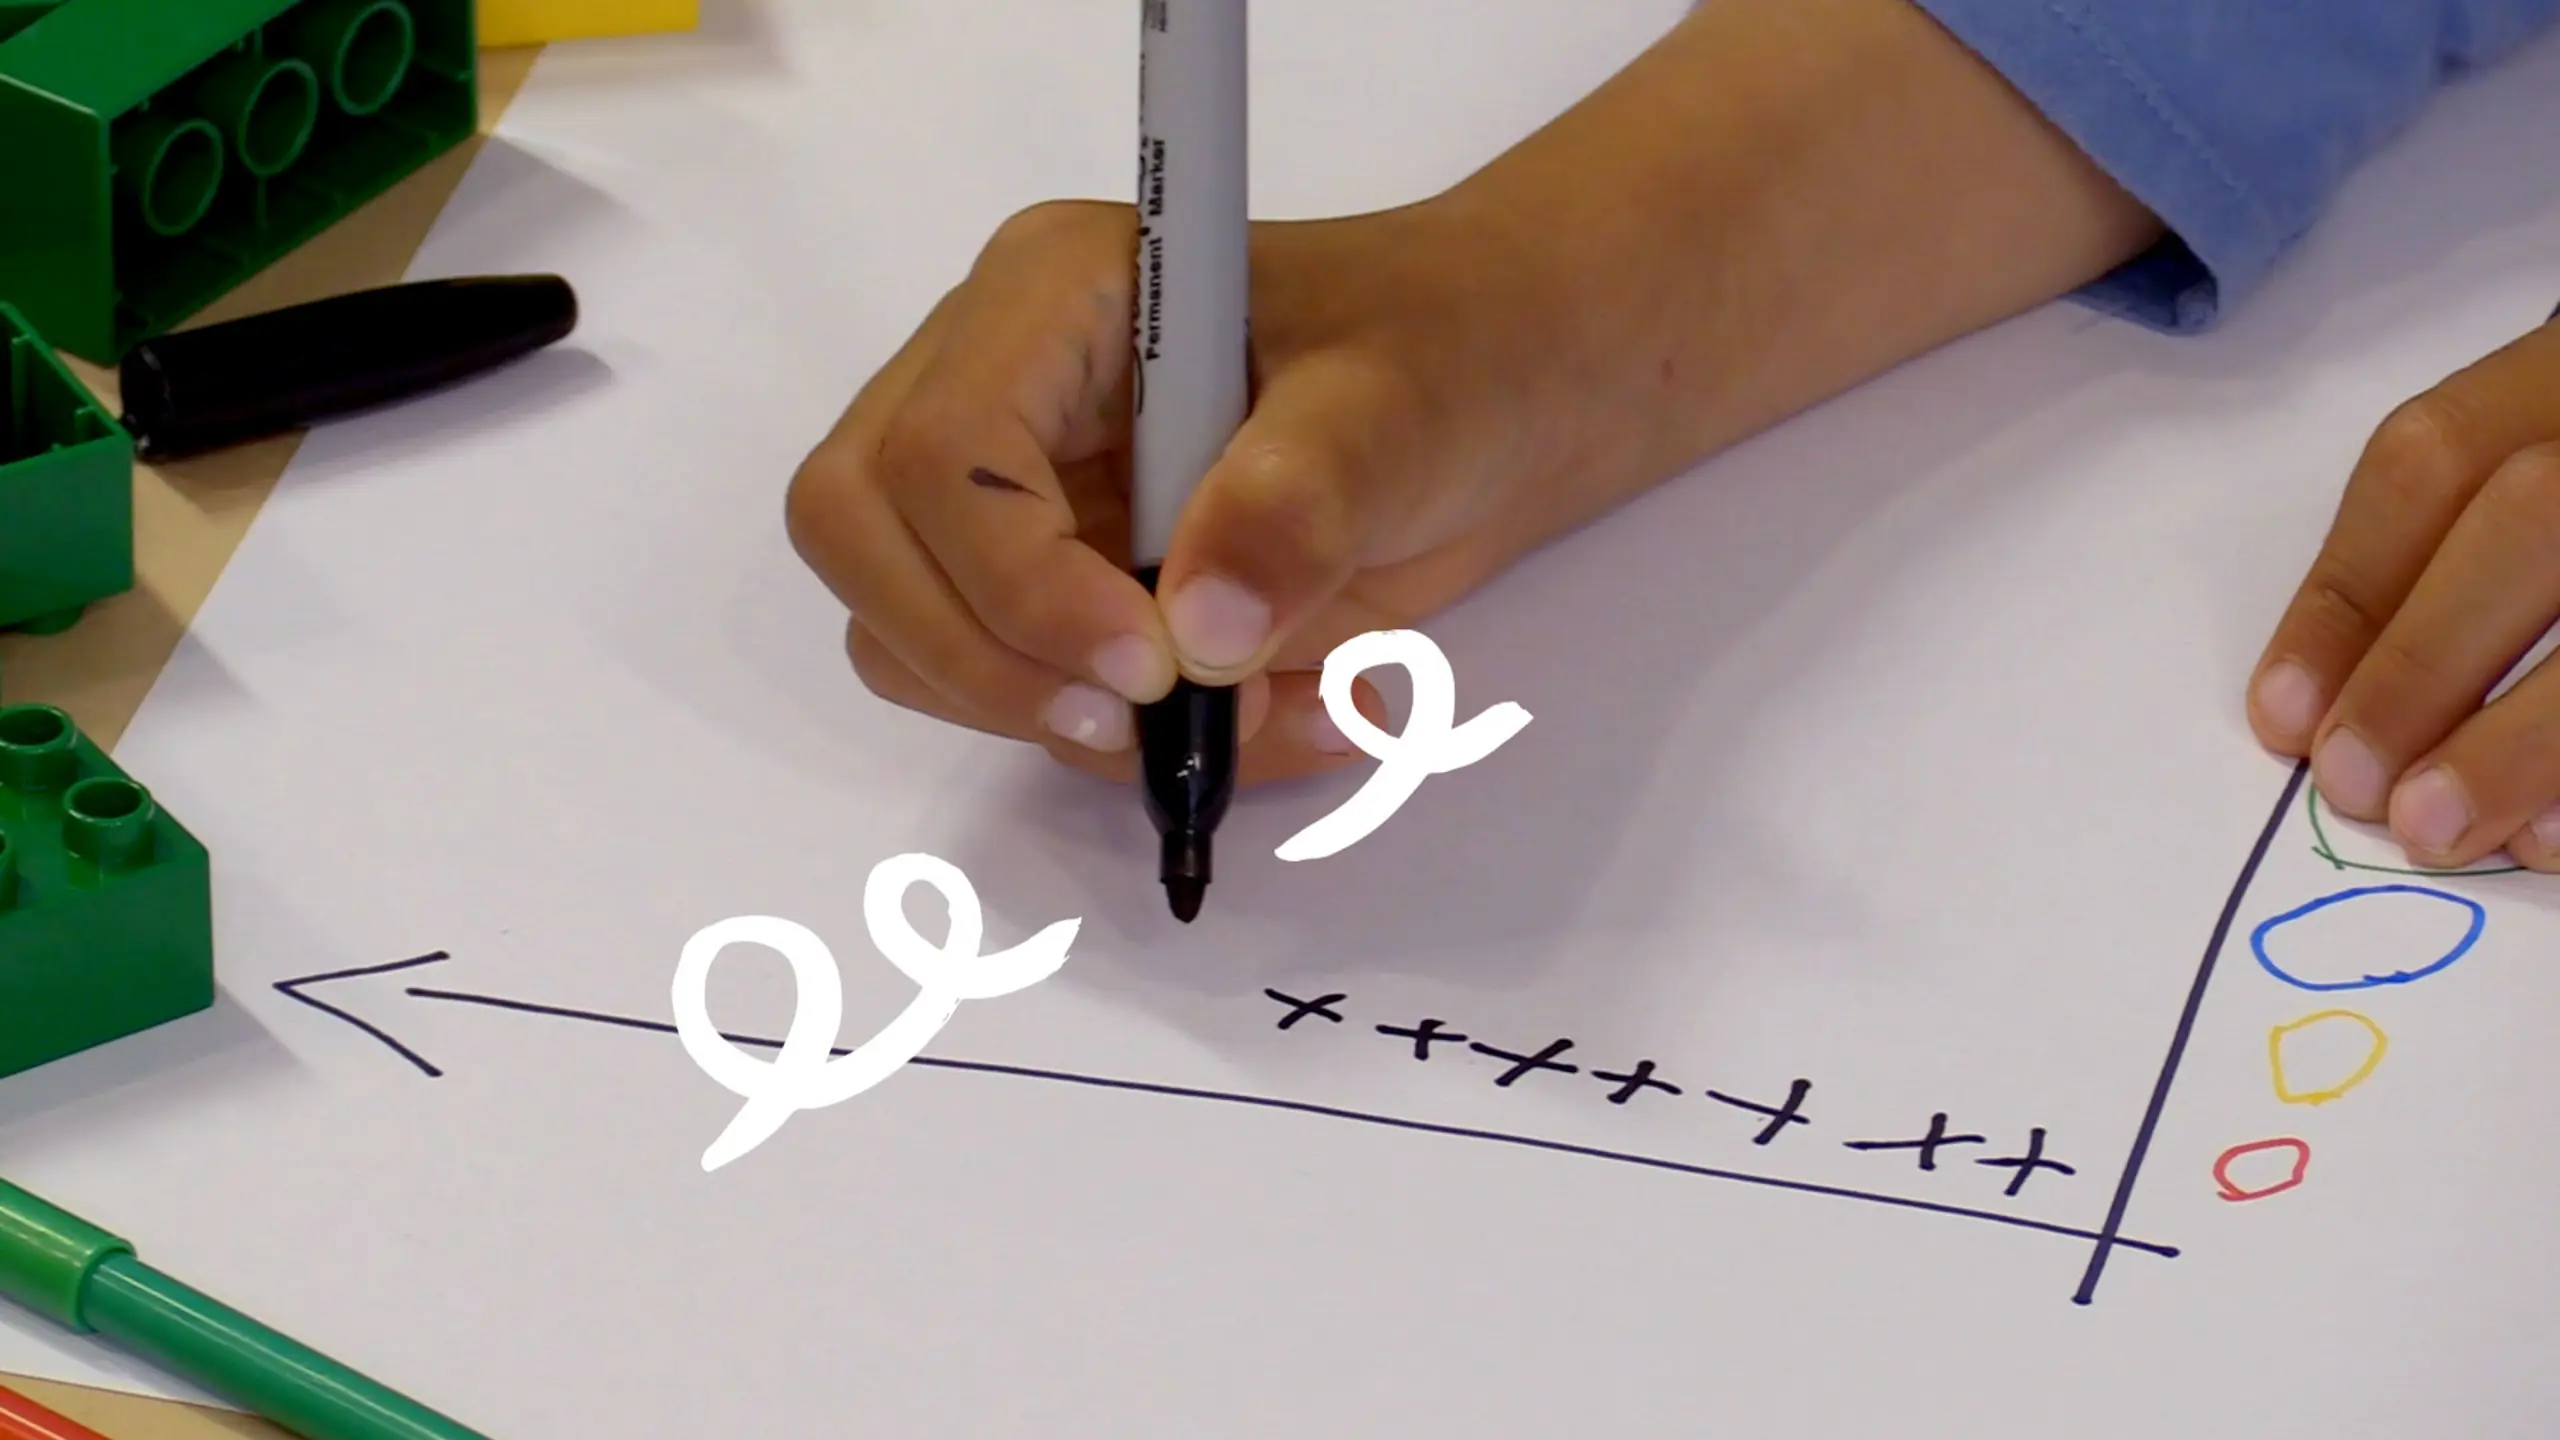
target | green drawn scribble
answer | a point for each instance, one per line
(2320, 846)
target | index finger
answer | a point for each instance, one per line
(1031, 378)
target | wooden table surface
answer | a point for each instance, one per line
(188, 519)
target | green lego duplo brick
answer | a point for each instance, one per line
(106, 902)
(17, 15)
(156, 153)
(66, 488)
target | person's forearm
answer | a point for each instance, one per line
(1784, 198)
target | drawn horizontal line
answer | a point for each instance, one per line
(1331, 1112)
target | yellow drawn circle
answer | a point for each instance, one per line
(2275, 1057)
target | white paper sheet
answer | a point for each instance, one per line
(1898, 752)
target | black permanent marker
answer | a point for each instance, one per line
(1190, 380)
(243, 380)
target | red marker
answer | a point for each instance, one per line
(24, 1419)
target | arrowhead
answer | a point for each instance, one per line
(297, 989)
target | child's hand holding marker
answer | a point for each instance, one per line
(1778, 201)
(972, 507)
(1709, 242)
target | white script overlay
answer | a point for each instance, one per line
(804, 1076)
(1429, 746)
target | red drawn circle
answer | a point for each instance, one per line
(2230, 1190)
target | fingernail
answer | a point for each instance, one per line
(1217, 624)
(1135, 667)
(1090, 718)
(2289, 699)
(2349, 774)
(1326, 736)
(2432, 810)
(2546, 830)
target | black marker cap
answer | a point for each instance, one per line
(247, 379)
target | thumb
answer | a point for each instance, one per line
(1326, 476)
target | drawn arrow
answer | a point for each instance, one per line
(299, 990)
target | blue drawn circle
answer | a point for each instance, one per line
(2462, 947)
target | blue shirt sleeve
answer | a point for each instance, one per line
(2235, 121)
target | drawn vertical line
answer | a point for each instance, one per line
(2114, 1227)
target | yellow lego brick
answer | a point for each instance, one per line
(538, 22)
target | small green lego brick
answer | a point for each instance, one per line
(106, 902)
(66, 488)
(159, 152)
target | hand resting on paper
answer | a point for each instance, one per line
(2440, 573)
(1705, 245)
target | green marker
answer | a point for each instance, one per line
(86, 1280)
